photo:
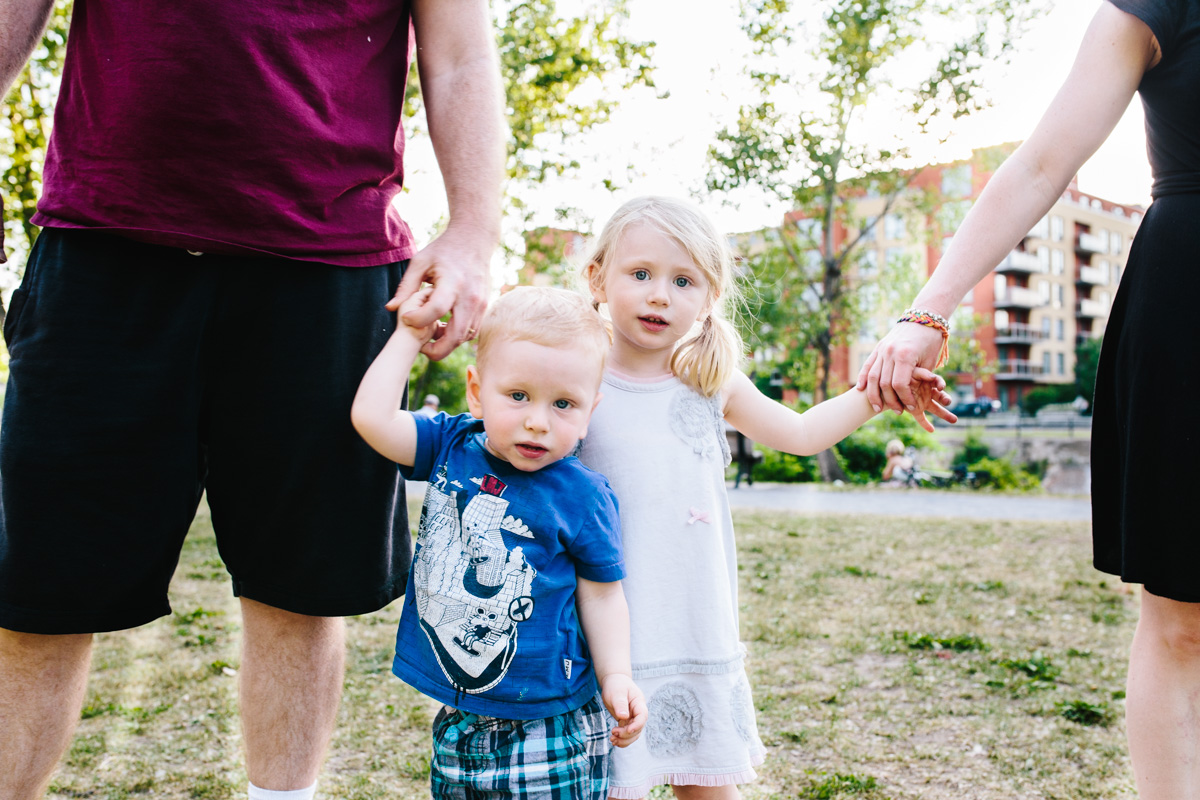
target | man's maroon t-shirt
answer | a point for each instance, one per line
(235, 126)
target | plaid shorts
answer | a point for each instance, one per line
(564, 757)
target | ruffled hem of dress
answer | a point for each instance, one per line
(687, 779)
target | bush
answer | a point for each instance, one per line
(1040, 396)
(786, 468)
(1004, 474)
(972, 451)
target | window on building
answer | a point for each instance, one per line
(1104, 242)
(1104, 300)
(1103, 269)
(1058, 295)
(1000, 318)
(1044, 290)
(869, 266)
(893, 227)
(895, 256)
(1056, 228)
(956, 181)
(1058, 261)
(999, 286)
(870, 228)
(1060, 363)
(1046, 327)
(1046, 363)
(1060, 329)
(1043, 254)
(1115, 242)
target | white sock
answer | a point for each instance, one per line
(293, 794)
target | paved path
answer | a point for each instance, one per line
(816, 498)
(809, 497)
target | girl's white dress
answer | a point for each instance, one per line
(662, 447)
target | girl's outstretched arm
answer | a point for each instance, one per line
(778, 427)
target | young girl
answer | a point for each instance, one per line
(661, 267)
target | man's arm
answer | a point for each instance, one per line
(604, 616)
(376, 413)
(21, 26)
(460, 85)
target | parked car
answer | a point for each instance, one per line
(979, 407)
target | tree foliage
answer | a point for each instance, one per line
(24, 131)
(804, 135)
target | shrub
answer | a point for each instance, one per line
(1041, 396)
(786, 468)
(1002, 473)
(974, 449)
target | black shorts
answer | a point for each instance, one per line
(142, 376)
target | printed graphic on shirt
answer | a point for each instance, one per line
(471, 589)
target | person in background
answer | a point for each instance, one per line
(218, 242)
(1142, 464)
(899, 466)
(430, 406)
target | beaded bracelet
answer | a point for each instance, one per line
(931, 320)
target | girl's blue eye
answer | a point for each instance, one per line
(641, 274)
(562, 404)
(682, 282)
(518, 396)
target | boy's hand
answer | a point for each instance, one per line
(403, 304)
(624, 700)
(930, 392)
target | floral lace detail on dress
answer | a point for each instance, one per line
(697, 420)
(675, 720)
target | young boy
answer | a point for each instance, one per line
(514, 610)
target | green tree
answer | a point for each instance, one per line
(24, 130)
(805, 137)
(1087, 358)
(967, 358)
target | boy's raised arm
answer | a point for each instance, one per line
(376, 413)
(604, 616)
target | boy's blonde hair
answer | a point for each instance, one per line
(545, 316)
(894, 448)
(707, 360)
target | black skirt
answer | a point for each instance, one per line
(1145, 456)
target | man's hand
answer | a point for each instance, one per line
(627, 705)
(457, 271)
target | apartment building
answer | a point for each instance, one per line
(1053, 291)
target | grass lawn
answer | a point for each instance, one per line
(891, 658)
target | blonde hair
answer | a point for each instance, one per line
(894, 448)
(545, 316)
(707, 360)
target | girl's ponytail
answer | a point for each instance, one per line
(707, 361)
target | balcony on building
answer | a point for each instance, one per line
(1018, 297)
(1093, 276)
(1083, 337)
(1090, 308)
(1091, 243)
(1017, 369)
(1018, 333)
(1021, 262)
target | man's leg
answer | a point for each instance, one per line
(41, 692)
(290, 685)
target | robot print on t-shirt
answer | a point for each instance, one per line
(471, 589)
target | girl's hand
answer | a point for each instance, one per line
(404, 304)
(624, 700)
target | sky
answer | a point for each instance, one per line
(697, 60)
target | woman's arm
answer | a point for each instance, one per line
(1117, 50)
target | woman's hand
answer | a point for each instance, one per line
(887, 376)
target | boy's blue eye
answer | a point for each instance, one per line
(641, 274)
(682, 282)
(562, 404)
(518, 396)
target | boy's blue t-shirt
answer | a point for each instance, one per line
(489, 622)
